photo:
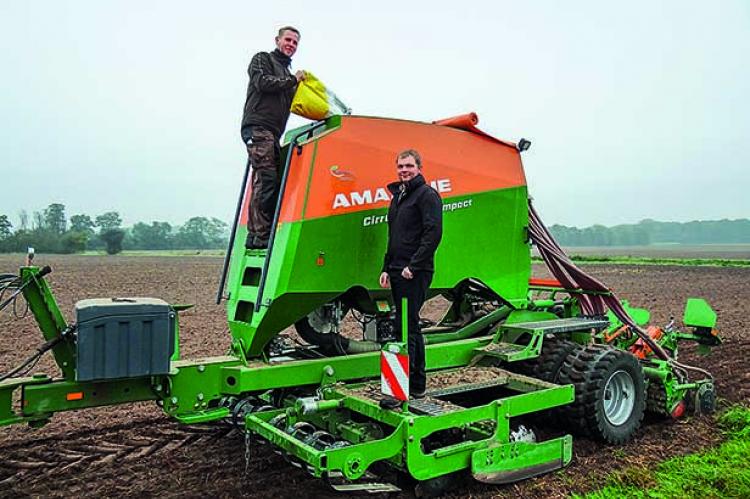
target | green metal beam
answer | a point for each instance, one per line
(49, 318)
(402, 443)
(56, 396)
(257, 377)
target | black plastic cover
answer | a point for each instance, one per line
(123, 338)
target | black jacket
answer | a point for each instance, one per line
(269, 93)
(415, 226)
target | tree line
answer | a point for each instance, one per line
(50, 231)
(653, 232)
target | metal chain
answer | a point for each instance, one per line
(248, 455)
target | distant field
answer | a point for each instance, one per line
(629, 254)
(710, 251)
(181, 252)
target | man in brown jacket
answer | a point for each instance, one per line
(269, 97)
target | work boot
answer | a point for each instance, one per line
(254, 242)
(249, 241)
(390, 403)
(417, 394)
(260, 242)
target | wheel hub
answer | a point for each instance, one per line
(619, 397)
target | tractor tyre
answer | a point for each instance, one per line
(547, 366)
(610, 393)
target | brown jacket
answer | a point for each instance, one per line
(269, 93)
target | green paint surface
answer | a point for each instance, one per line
(314, 261)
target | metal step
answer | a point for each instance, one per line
(502, 349)
(469, 387)
(338, 483)
(432, 406)
(567, 325)
(507, 352)
(371, 488)
(258, 252)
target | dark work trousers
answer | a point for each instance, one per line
(415, 291)
(263, 152)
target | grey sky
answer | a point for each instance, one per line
(635, 109)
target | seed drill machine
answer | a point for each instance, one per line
(509, 353)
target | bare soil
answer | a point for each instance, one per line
(135, 450)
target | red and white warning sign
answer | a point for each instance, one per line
(394, 375)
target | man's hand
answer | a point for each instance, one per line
(385, 281)
(300, 75)
(406, 273)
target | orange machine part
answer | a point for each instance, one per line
(353, 165)
(640, 349)
(293, 196)
(550, 283)
(469, 123)
(348, 169)
(464, 121)
(609, 338)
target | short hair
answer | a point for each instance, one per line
(289, 28)
(410, 152)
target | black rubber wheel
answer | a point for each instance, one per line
(547, 366)
(707, 399)
(610, 393)
(702, 400)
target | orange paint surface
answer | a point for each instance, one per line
(552, 283)
(294, 195)
(465, 121)
(469, 123)
(354, 164)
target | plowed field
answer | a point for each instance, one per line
(137, 451)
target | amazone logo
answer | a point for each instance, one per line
(369, 196)
(341, 174)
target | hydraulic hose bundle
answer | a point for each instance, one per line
(11, 283)
(17, 285)
(593, 295)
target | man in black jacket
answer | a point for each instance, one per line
(415, 227)
(269, 97)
